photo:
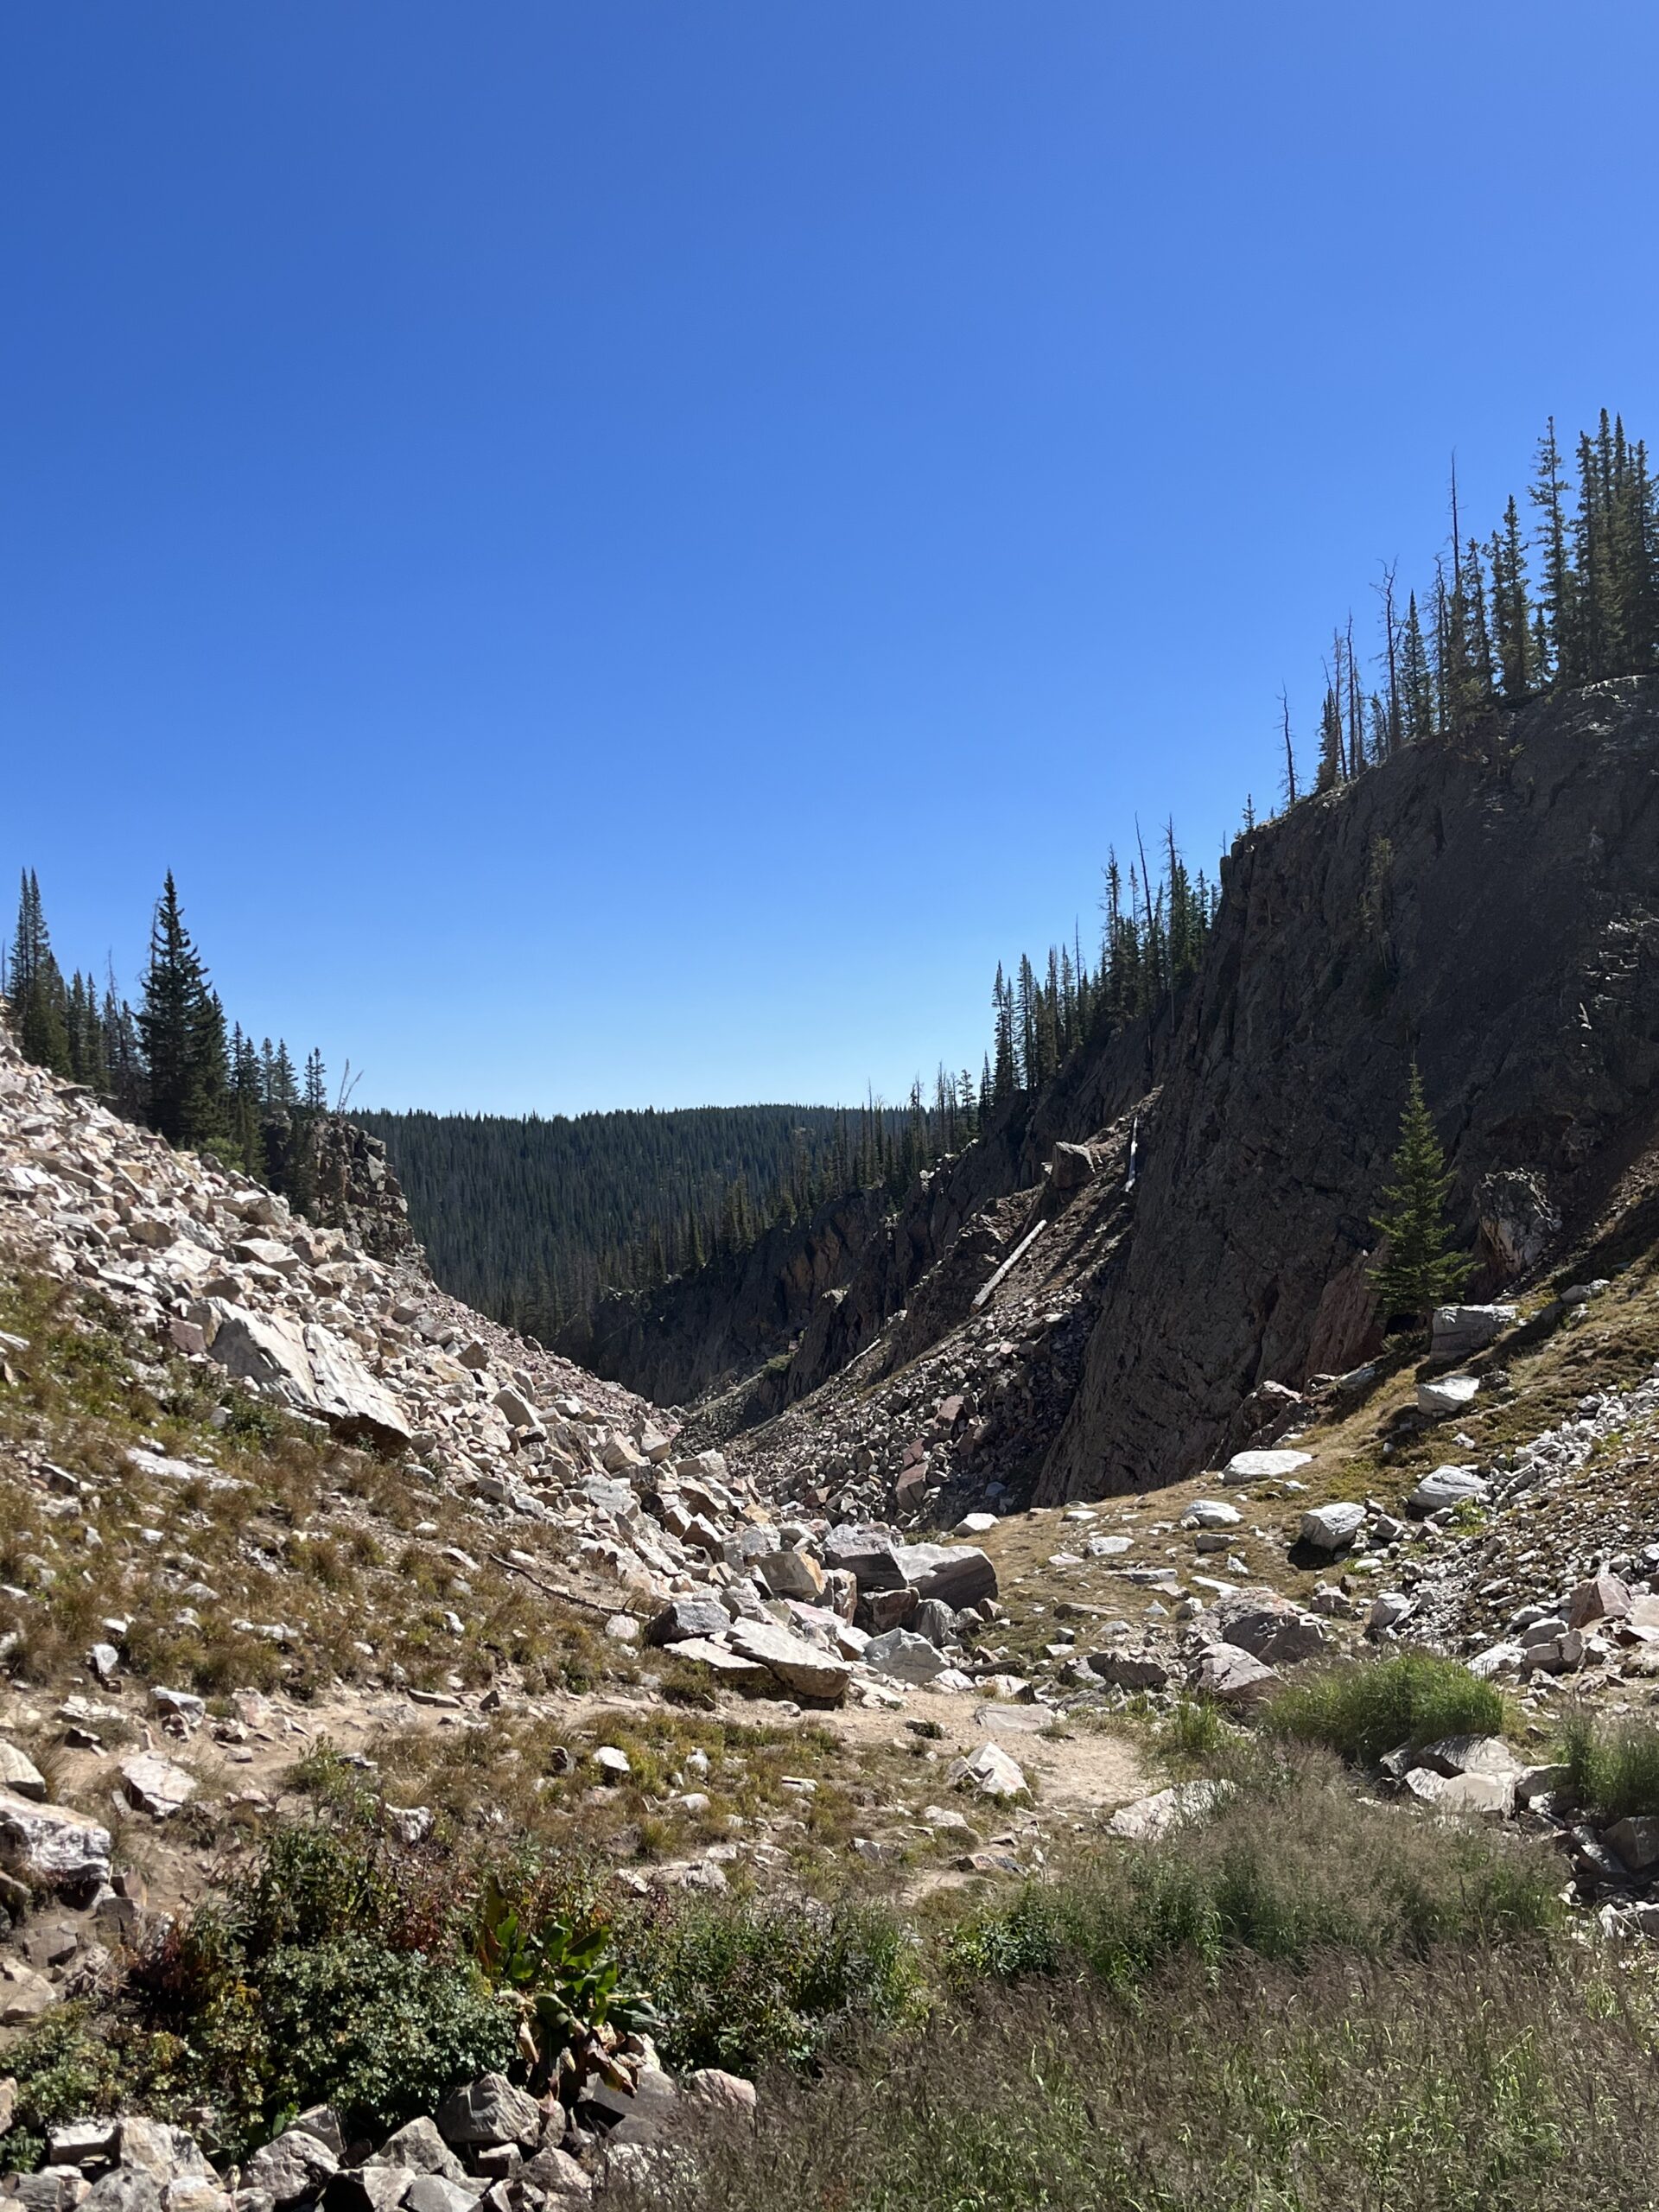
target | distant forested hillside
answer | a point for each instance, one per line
(528, 1218)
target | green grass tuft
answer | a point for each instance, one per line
(1363, 1710)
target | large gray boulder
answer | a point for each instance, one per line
(1448, 1486)
(1331, 1528)
(296, 2164)
(907, 1657)
(19, 1774)
(420, 2149)
(50, 1844)
(1270, 1629)
(310, 1368)
(686, 1617)
(957, 1575)
(1232, 1676)
(1447, 1395)
(1457, 1332)
(867, 1554)
(487, 2111)
(799, 1665)
(1130, 1670)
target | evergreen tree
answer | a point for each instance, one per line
(39, 1001)
(1331, 764)
(182, 1027)
(317, 1084)
(1548, 495)
(1418, 1272)
(1416, 678)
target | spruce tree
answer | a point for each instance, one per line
(182, 1024)
(40, 1001)
(1419, 1272)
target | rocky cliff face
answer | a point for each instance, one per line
(341, 1178)
(1491, 910)
(728, 1320)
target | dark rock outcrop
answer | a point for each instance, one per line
(1490, 909)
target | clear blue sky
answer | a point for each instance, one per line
(626, 554)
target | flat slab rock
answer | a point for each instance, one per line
(1150, 1819)
(155, 1786)
(800, 1666)
(1264, 1466)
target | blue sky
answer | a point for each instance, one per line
(627, 553)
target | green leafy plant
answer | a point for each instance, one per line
(573, 2018)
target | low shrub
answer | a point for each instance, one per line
(1363, 1710)
(741, 1983)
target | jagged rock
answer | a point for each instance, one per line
(1516, 1222)
(974, 1525)
(728, 2096)
(1478, 1795)
(24, 1994)
(738, 1673)
(1388, 1609)
(420, 2148)
(167, 2154)
(556, 2174)
(49, 1844)
(438, 2193)
(489, 2110)
(19, 1774)
(1331, 1528)
(311, 1369)
(908, 1658)
(372, 2188)
(124, 2191)
(635, 2115)
(684, 1618)
(1603, 1597)
(1635, 1839)
(1451, 1393)
(1263, 1417)
(1456, 1755)
(868, 1555)
(84, 2142)
(791, 1574)
(1270, 1629)
(1233, 1676)
(1071, 1167)
(296, 2164)
(990, 1771)
(1210, 1513)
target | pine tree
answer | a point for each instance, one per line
(1416, 678)
(1418, 1272)
(317, 1084)
(1548, 495)
(40, 1002)
(1332, 766)
(183, 1027)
